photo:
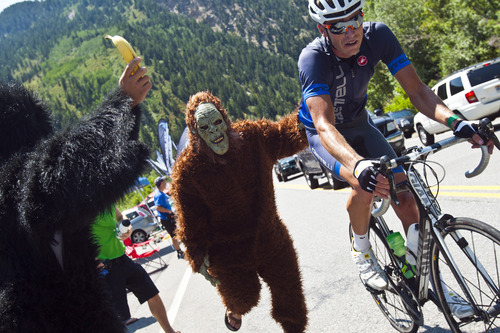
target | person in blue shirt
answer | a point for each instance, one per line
(166, 213)
(334, 72)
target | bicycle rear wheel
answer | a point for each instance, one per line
(484, 242)
(398, 303)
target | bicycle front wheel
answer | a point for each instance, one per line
(398, 303)
(475, 248)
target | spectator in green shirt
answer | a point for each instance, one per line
(123, 273)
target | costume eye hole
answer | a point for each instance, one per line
(218, 121)
(204, 127)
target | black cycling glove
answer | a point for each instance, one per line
(465, 129)
(366, 174)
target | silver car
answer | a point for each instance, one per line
(143, 223)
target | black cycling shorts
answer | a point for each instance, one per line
(361, 134)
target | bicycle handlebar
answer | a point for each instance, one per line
(485, 130)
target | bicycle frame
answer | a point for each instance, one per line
(432, 222)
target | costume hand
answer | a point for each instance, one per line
(136, 86)
(468, 130)
(204, 271)
(366, 174)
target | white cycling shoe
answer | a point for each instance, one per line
(458, 306)
(370, 271)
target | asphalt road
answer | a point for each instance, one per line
(318, 223)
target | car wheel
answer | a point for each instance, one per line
(285, 178)
(311, 181)
(139, 236)
(280, 179)
(329, 177)
(426, 138)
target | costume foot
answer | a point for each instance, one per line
(237, 322)
(130, 321)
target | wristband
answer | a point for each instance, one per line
(451, 119)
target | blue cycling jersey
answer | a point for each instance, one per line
(346, 80)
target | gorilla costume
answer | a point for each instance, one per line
(227, 218)
(52, 186)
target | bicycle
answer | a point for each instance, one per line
(455, 254)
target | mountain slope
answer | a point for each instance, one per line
(62, 53)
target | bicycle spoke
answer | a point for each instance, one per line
(392, 302)
(476, 255)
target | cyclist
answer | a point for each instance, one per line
(334, 72)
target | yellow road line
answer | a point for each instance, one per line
(444, 191)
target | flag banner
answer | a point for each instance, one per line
(165, 145)
(160, 168)
(160, 160)
(183, 142)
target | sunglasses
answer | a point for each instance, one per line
(340, 28)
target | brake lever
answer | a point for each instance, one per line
(386, 171)
(487, 131)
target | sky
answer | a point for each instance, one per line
(6, 3)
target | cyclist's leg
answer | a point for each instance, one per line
(359, 208)
(359, 202)
(407, 211)
(378, 146)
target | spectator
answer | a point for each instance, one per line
(121, 273)
(166, 213)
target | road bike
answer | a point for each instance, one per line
(455, 254)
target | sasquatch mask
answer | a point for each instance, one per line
(211, 131)
(212, 128)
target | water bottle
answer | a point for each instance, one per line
(412, 244)
(122, 228)
(397, 245)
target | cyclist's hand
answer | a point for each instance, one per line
(468, 130)
(366, 173)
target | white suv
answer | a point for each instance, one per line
(471, 93)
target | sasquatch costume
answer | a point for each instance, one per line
(227, 212)
(52, 186)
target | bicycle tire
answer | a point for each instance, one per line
(393, 302)
(484, 240)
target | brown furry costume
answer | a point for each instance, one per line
(226, 209)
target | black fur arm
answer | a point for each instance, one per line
(84, 169)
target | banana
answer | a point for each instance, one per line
(125, 49)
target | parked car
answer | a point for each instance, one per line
(150, 207)
(285, 167)
(471, 93)
(143, 223)
(389, 129)
(404, 120)
(313, 170)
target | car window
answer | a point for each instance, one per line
(441, 91)
(132, 215)
(456, 85)
(484, 74)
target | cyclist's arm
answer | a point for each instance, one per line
(421, 96)
(323, 117)
(424, 99)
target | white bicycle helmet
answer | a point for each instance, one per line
(327, 10)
